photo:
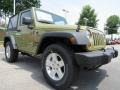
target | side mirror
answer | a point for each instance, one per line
(27, 20)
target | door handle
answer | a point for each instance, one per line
(18, 30)
(37, 32)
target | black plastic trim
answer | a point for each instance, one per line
(95, 57)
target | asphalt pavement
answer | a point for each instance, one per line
(26, 74)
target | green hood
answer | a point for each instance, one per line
(53, 27)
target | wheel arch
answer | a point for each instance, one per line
(53, 38)
(11, 39)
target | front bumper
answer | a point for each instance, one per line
(96, 57)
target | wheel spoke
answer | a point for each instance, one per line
(59, 73)
(54, 56)
(49, 62)
(60, 63)
(52, 73)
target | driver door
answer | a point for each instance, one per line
(25, 36)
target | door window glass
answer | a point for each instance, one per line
(25, 14)
(13, 23)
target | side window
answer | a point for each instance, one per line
(13, 23)
(25, 14)
(10, 25)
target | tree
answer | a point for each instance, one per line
(7, 5)
(88, 17)
(25, 4)
(112, 24)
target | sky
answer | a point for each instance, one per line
(103, 8)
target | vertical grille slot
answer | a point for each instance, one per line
(93, 38)
(98, 39)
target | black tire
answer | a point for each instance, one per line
(13, 53)
(70, 68)
(92, 67)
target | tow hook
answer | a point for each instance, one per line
(116, 53)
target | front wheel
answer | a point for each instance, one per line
(10, 53)
(58, 66)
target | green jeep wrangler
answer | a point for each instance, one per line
(62, 48)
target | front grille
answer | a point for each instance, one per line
(98, 39)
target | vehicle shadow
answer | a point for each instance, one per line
(87, 80)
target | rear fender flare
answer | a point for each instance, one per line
(12, 40)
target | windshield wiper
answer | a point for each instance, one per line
(45, 21)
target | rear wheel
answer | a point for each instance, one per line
(10, 53)
(58, 66)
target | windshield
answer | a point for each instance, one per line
(49, 18)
